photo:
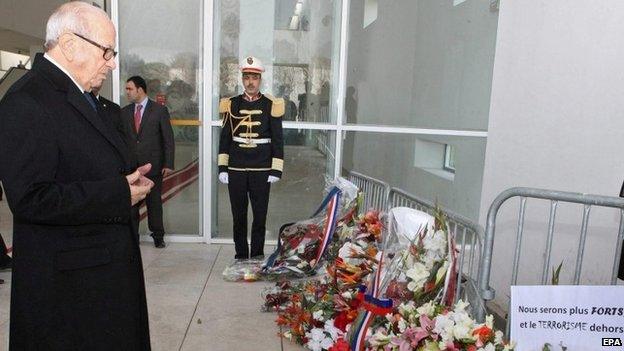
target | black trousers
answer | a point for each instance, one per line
(153, 202)
(246, 186)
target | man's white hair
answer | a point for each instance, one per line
(74, 17)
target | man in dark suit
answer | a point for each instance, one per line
(77, 279)
(148, 132)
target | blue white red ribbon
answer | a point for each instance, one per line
(373, 306)
(330, 222)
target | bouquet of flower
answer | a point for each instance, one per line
(243, 271)
(433, 327)
(416, 265)
(316, 312)
(304, 244)
(419, 258)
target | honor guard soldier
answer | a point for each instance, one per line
(251, 155)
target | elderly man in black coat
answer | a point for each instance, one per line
(77, 275)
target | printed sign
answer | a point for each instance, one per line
(567, 317)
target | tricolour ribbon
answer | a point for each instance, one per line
(373, 306)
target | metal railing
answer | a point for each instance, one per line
(375, 191)
(555, 197)
(468, 241)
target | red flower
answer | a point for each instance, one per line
(471, 348)
(483, 333)
(341, 321)
(429, 286)
(340, 345)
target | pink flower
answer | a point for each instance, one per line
(450, 346)
(411, 337)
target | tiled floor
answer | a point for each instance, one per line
(190, 306)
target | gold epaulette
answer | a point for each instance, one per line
(225, 105)
(278, 106)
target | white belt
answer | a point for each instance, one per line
(252, 141)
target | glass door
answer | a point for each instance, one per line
(162, 42)
(297, 41)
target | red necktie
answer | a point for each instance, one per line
(137, 118)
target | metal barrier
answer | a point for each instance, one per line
(555, 197)
(375, 191)
(468, 241)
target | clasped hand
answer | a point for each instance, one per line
(139, 184)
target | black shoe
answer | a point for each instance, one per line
(257, 258)
(159, 243)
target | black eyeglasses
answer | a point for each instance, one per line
(108, 52)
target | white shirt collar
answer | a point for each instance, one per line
(143, 103)
(49, 58)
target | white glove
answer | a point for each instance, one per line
(224, 178)
(272, 179)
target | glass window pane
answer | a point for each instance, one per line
(295, 40)
(308, 160)
(423, 63)
(167, 55)
(415, 164)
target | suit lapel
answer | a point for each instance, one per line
(146, 114)
(82, 105)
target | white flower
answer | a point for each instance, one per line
(380, 338)
(444, 327)
(418, 274)
(347, 295)
(488, 347)
(489, 321)
(498, 337)
(462, 331)
(318, 315)
(461, 306)
(442, 272)
(427, 309)
(402, 325)
(436, 243)
(333, 332)
(317, 340)
(407, 308)
(509, 346)
(463, 320)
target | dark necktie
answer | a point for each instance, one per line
(91, 100)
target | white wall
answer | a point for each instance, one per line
(22, 23)
(555, 122)
(28, 17)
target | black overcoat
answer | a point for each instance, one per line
(77, 279)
